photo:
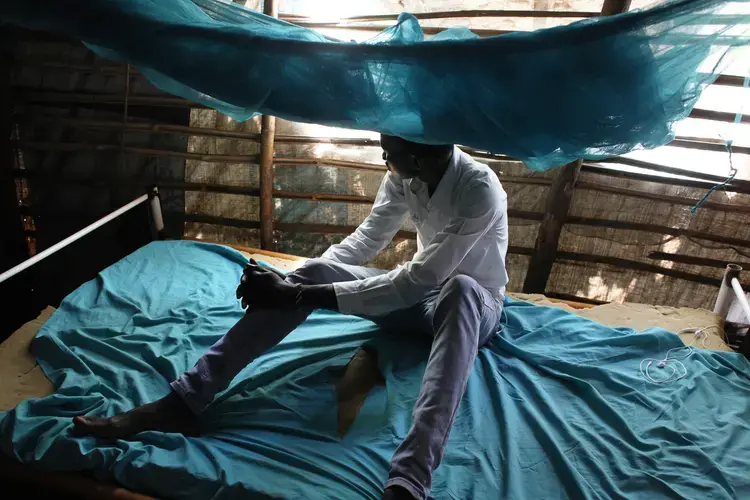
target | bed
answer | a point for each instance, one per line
(275, 437)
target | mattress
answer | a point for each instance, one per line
(23, 378)
(556, 405)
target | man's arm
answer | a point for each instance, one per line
(377, 230)
(262, 287)
(482, 206)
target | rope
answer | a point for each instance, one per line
(730, 178)
(732, 170)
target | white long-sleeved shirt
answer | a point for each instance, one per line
(461, 229)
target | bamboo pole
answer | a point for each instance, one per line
(267, 132)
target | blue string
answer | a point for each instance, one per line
(730, 178)
(732, 170)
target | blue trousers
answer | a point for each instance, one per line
(460, 315)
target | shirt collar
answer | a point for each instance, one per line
(442, 195)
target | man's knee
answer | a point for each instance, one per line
(460, 286)
(312, 272)
(459, 295)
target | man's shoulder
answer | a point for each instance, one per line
(477, 175)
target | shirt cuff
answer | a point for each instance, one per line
(349, 298)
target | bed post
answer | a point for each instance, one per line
(154, 204)
(724, 300)
(267, 133)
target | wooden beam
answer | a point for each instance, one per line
(730, 80)
(656, 167)
(512, 213)
(675, 200)
(639, 266)
(696, 261)
(657, 229)
(103, 181)
(700, 143)
(717, 116)
(104, 69)
(294, 227)
(556, 210)
(26, 95)
(704, 144)
(82, 146)
(660, 179)
(289, 227)
(737, 186)
(324, 162)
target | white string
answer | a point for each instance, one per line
(674, 362)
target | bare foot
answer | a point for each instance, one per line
(168, 414)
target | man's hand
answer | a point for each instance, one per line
(265, 288)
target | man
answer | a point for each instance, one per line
(451, 290)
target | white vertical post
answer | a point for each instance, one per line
(724, 300)
(155, 206)
(741, 298)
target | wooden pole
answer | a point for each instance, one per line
(268, 129)
(267, 133)
(559, 199)
(612, 7)
(556, 210)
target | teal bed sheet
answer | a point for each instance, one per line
(556, 406)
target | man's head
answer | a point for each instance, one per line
(409, 159)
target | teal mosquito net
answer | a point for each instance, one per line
(594, 88)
